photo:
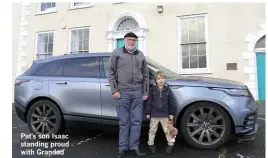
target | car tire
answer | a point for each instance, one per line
(208, 132)
(44, 117)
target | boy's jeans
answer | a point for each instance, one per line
(153, 129)
(130, 110)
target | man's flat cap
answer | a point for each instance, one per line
(131, 34)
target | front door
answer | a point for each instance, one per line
(120, 43)
(260, 58)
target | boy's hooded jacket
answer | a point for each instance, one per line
(160, 103)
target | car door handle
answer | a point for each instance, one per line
(107, 85)
(61, 82)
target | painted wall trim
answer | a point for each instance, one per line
(250, 56)
(24, 22)
(141, 32)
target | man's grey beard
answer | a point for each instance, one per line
(130, 47)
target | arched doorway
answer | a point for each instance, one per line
(254, 58)
(127, 25)
(127, 22)
(259, 50)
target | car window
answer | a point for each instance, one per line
(105, 64)
(154, 67)
(82, 67)
(53, 68)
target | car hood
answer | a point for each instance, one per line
(198, 81)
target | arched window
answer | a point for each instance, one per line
(127, 25)
(260, 43)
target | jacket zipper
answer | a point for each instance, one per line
(132, 70)
(160, 98)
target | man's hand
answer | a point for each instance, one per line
(145, 97)
(116, 95)
(147, 116)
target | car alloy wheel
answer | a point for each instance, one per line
(43, 119)
(206, 126)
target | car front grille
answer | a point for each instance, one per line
(250, 120)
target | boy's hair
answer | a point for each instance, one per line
(159, 73)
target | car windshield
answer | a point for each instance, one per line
(154, 67)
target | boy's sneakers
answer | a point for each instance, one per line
(169, 149)
(152, 148)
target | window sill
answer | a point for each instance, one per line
(194, 71)
(118, 2)
(48, 12)
(81, 7)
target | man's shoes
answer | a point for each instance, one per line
(139, 153)
(152, 148)
(169, 149)
(120, 154)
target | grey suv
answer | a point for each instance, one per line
(57, 91)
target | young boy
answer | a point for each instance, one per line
(160, 108)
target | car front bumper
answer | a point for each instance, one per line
(248, 126)
(244, 113)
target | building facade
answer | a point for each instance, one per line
(223, 40)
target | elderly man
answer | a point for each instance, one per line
(129, 82)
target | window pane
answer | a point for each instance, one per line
(38, 56)
(45, 38)
(202, 62)
(86, 33)
(185, 62)
(46, 48)
(85, 45)
(74, 35)
(201, 29)
(73, 46)
(192, 30)
(193, 62)
(193, 49)
(185, 50)
(53, 5)
(184, 31)
(50, 39)
(80, 45)
(83, 67)
(49, 5)
(202, 49)
(43, 6)
(40, 40)
(80, 34)
(77, 45)
(80, 3)
(50, 48)
(77, 3)
(39, 48)
(260, 43)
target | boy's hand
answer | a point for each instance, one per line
(148, 116)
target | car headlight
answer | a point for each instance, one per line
(237, 92)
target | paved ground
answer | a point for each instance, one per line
(99, 143)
